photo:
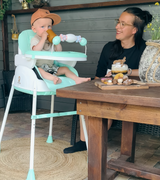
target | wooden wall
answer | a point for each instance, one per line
(1, 66)
(96, 25)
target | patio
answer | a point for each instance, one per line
(147, 146)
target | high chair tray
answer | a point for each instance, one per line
(64, 55)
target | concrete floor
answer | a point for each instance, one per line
(147, 146)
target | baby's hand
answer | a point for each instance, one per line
(44, 35)
(58, 47)
(108, 74)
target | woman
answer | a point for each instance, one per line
(129, 43)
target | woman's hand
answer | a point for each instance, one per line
(108, 74)
(135, 72)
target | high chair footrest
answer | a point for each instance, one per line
(53, 115)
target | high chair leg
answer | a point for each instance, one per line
(6, 113)
(31, 175)
(50, 139)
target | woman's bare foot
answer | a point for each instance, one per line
(80, 80)
(56, 80)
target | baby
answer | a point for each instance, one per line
(41, 21)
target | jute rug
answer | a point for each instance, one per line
(50, 163)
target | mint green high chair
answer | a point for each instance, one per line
(25, 80)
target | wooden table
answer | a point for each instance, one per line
(130, 106)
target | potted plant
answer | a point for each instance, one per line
(3, 7)
(14, 31)
(149, 66)
(38, 3)
(25, 3)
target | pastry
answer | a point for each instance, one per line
(105, 79)
(121, 61)
(115, 81)
(110, 82)
(125, 77)
(127, 82)
(120, 80)
(118, 75)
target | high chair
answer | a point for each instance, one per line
(25, 80)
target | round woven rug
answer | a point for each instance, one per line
(50, 163)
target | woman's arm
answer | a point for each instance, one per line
(134, 72)
(102, 63)
(96, 77)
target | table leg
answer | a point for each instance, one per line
(128, 140)
(97, 148)
(127, 154)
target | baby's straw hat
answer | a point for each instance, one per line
(43, 13)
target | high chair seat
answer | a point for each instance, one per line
(26, 77)
(25, 80)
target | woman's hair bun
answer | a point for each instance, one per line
(147, 17)
(143, 15)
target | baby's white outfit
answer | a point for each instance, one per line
(46, 65)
